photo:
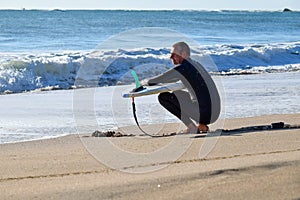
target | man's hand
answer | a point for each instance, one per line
(144, 82)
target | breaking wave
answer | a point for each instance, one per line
(27, 72)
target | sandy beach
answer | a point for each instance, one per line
(240, 165)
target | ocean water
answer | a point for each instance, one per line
(256, 55)
(53, 30)
(47, 48)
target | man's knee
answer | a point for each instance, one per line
(167, 98)
(164, 96)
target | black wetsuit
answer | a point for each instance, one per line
(202, 101)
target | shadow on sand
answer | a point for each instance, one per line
(249, 129)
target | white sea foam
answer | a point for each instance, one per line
(26, 72)
(36, 115)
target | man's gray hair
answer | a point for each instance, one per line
(182, 47)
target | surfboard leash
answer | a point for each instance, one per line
(137, 122)
(138, 88)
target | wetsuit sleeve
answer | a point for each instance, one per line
(167, 77)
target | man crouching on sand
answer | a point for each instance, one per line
(200, 103)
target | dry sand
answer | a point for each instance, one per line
(248, 165)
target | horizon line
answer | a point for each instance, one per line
(144, 9)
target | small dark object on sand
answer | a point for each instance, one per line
(277, 125)
(108, 134)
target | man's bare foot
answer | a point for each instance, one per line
(191, 128)
(202, 128)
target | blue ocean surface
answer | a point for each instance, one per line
(58, 30)
(64, 49)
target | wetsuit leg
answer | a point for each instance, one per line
(180, 104)
(201, 115)
(169, 100)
